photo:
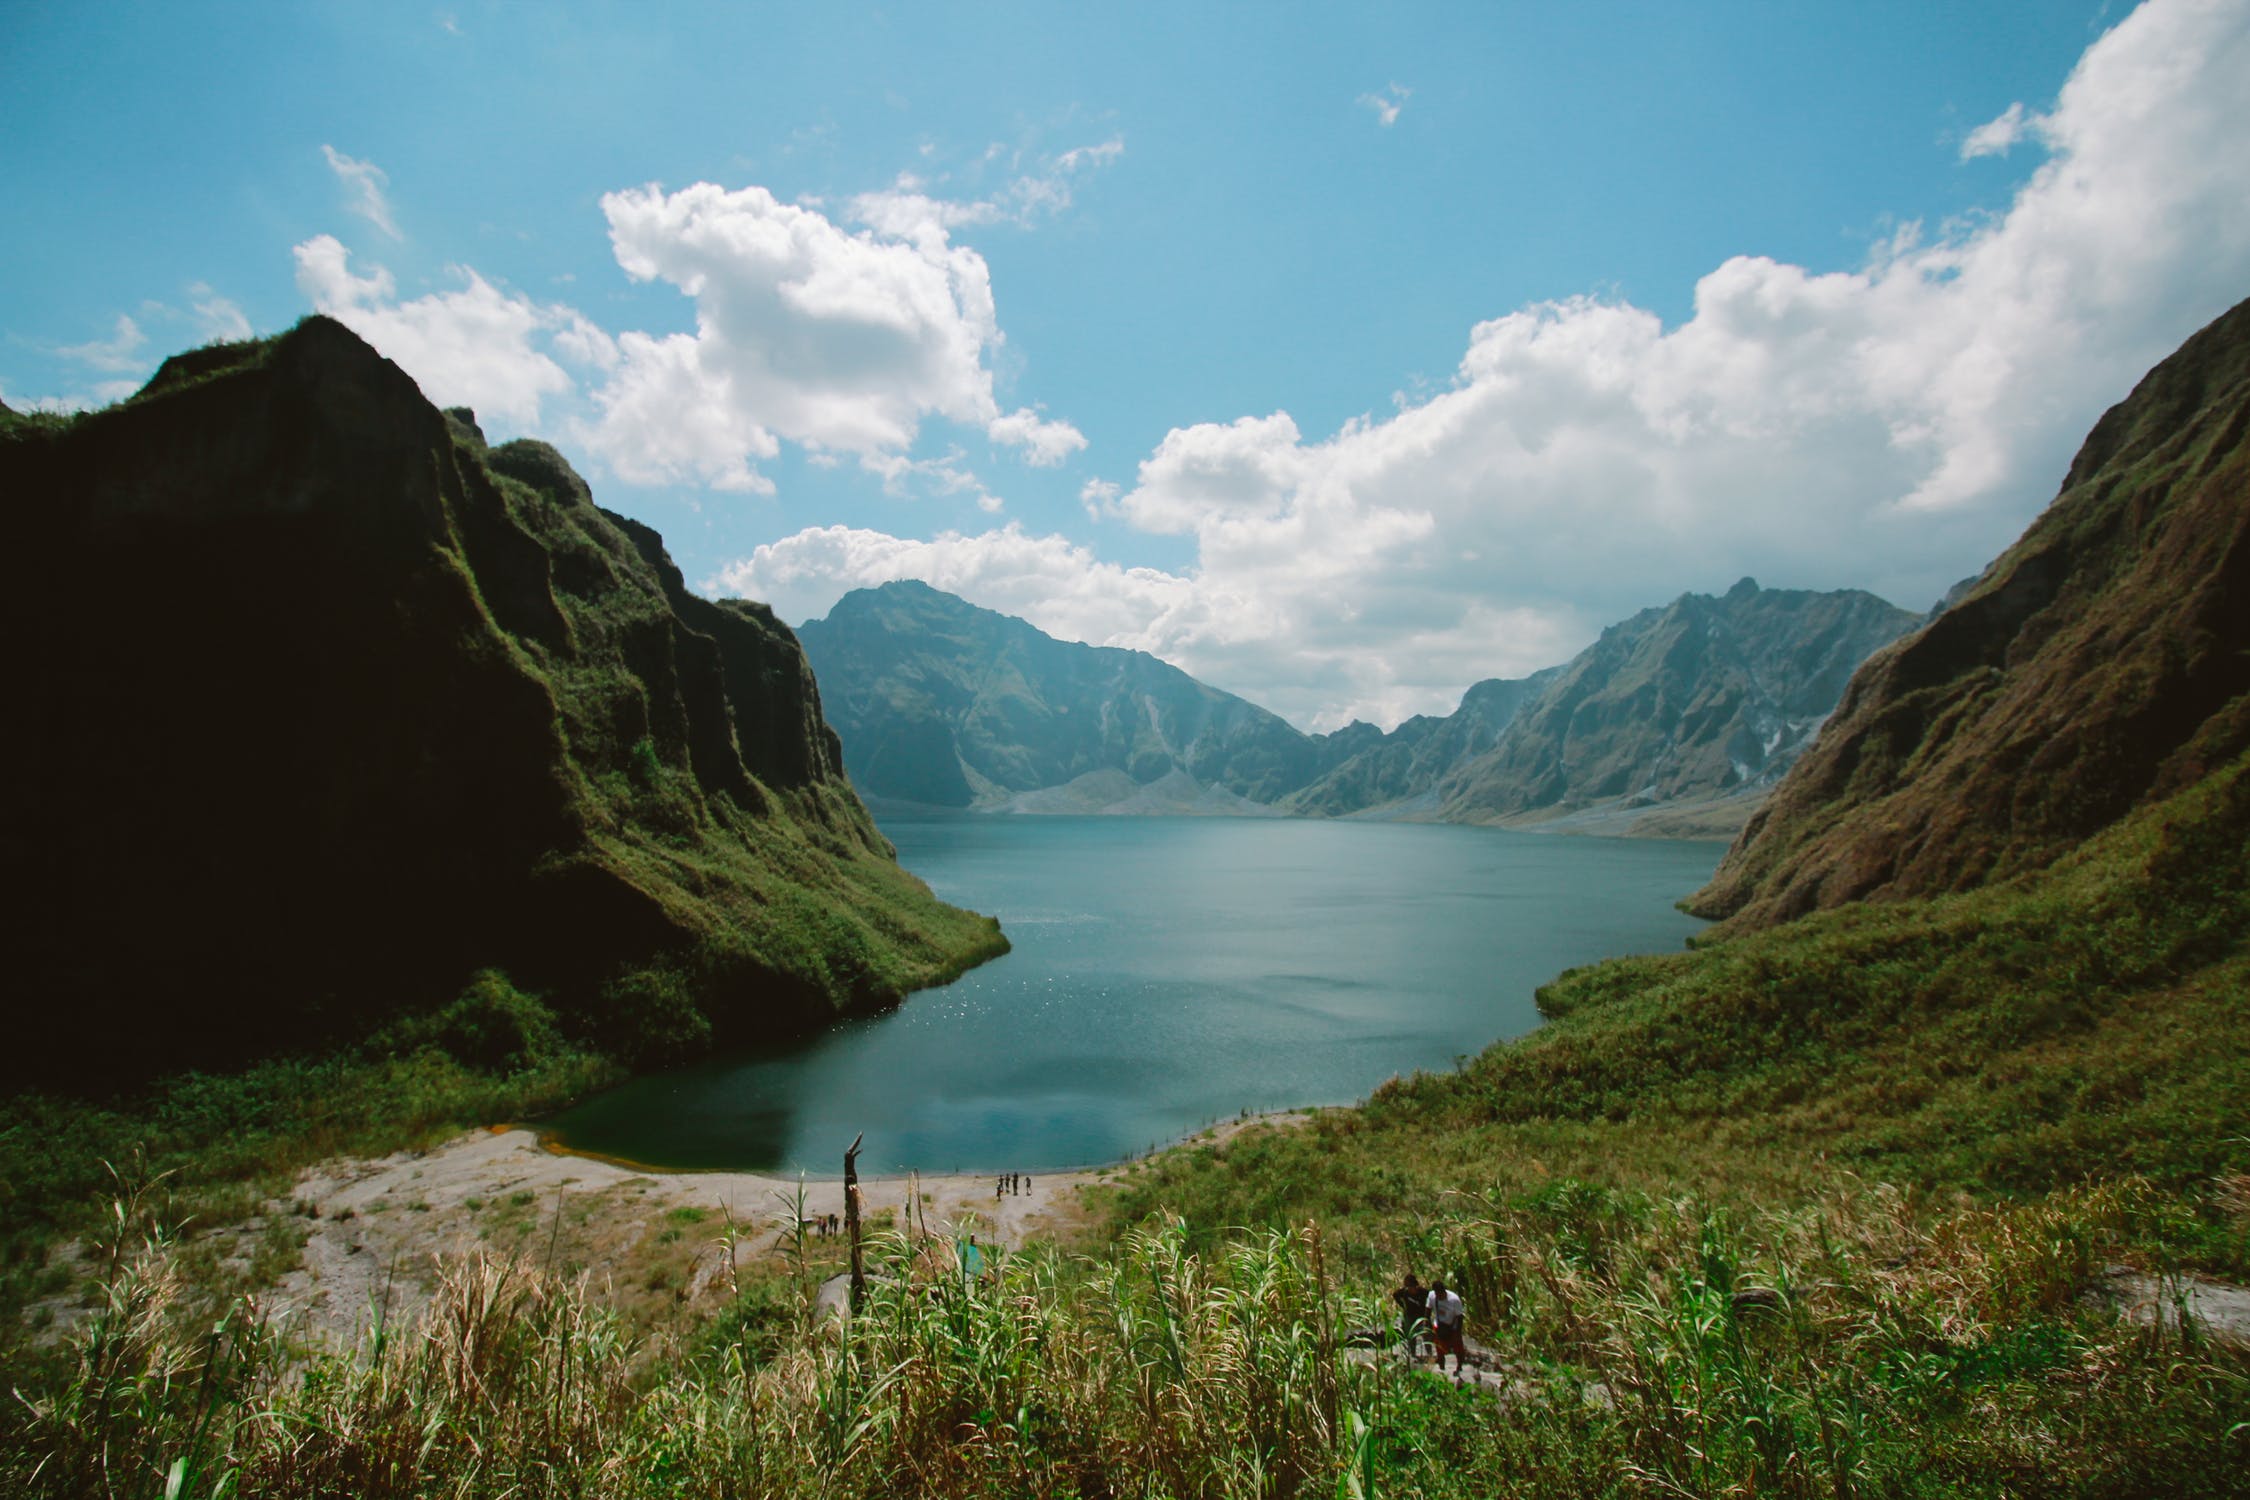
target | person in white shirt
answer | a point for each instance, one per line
(1446, 1314)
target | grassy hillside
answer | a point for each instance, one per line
(1827, 1210)
(2100, 664)
(2084, 1023)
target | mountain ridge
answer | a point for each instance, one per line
(940, 702)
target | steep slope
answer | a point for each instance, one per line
(2100, 664)
(1400, 772)
(1705, 697)
(940, 702)
(325, 706)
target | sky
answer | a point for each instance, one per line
(1341, 355)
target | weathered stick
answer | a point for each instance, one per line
(851, 1220)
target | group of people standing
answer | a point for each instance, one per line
(1010, 1184)
(1436, 1309)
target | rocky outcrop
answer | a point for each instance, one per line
(2101, 663)
(325, 705)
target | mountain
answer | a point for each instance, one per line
(943, 703)
(1673, 722)
(1398, 774)
(1704, 698)
(2100, 665)
(324, 706)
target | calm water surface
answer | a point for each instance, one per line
(1167, 972)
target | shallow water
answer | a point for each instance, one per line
(1167, 973)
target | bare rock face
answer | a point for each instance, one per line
(2101, 663)
(1704, 696)
(324, 705)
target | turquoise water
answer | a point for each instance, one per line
(1167, 972)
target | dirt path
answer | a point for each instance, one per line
(655, 1241)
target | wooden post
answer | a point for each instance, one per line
(851, 1220)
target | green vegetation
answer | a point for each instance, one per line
(426, 710)
(1824, 1210)
(2081, 1024)
(206, 1149)
(1850, 1346)
(1841, 1207)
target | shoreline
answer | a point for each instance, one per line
(664, 1241)
(552, 1143)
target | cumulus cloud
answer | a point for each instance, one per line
(367, 188)
(1387, 104)
(806, 332)
(1045, 443)
(1891, 427)
(477, 346)
(1056, 583)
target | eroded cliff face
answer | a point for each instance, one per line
(324, 705)
(2103, 662)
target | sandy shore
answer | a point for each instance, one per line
(374, 1229)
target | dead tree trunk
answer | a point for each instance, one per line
(851, 1220)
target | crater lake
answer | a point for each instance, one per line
(1167, 973)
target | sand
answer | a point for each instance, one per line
(375, 1229)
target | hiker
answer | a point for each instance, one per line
(1446, 1313)
(1413, 1302)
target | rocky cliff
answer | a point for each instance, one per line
(2100, 664)
(1705, 697)
(943, 703)
(323, 705)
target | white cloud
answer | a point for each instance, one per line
(905, 210)
(217, 317)
(1387, 104)
(121, 351)
(366, 182)
(477, 346)
(805, 332)
(1045, 443)
(1099, 497)
(1998, 136)
(1055, 583)
(1891, 427)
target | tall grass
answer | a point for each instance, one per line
(1860, 1344)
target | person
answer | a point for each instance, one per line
(972, 1260)
(1446, 1314)
(1413, 1301)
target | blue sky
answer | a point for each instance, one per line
(1343, 355)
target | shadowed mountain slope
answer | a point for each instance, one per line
(2102, 663)
(324, 707)
(941, 702)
